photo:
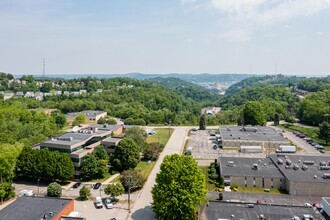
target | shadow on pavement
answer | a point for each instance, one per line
(143, 214)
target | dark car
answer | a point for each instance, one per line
(97, 186)
(322, 151)
(76, 185)
(301, 136)
(309, 141)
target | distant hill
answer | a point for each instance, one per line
(194, 78)
(187, 89)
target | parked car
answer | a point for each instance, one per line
(76, 185)
(108, 203)
(309, 141)
(194, 129)
(313, 143)
(322, 151)
(97, 186)
(296, 132)
(98, 202)
(301, 136)
(152, 132)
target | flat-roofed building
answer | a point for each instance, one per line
(35, 208)
(91, 116)
(110, 144)
(304, 175)
(237, 136)
(81, 142)
(251, 172)
(325, 203)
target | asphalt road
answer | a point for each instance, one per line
(142, 207)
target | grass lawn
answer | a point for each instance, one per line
(185, 147)
(260, 190)
(145, 168)
(312, 133)
(115, 180)
(107, 176)
(209, 187)
(161, 136)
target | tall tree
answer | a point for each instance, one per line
(202, 122)
(253, 114)
(180, 187)
(92, 167)
(138, 135)
(80, 119)
(100, 153)
(59, 118)
(324, 132)
(84, 193)
(114, 190)
(276, 119)
(54, 190)
(126, 155)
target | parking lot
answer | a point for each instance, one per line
(202, 146)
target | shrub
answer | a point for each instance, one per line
(220, 196)
(54, 190)
(84, 193)
(233, 186)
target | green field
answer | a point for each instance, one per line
(162, 135)
(312, 133)
(145, 167)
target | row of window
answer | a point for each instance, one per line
(263, 182)
(62, 150)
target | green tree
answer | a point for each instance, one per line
(84, 193)
(126, 155)
(100, 153)
(54, 190)
(92, 167)
(132, 178)
(46, 87)
(202, 123)
(180, 187)
(114, 190)
(59, 118)
(6, 191)
(152, 151)
(324, 132)
(253, 114)
(80, 119)
(138, 135)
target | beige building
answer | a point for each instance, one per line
(91, 116)
(237, 136)
(251, 172)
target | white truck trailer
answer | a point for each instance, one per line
(286, 149)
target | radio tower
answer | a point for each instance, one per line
(44, 69)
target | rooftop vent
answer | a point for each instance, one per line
(304, 167)
(324, 167)
(287, 167)
(288, 162)
(322, 163)
(295, 167)
(308, 162)
(280, 161)
(255, 166)
(230, 163)
(326, 175)
(315, 177)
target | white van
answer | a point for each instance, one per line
(98, 202)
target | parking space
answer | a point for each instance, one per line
(202, 145)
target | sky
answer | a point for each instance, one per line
(165, 36)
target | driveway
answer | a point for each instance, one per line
(142, 207)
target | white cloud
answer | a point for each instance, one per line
(269, 11)
(319, 33)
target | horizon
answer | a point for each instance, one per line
(174, 36)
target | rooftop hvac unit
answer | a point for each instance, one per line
(230, 163)
(308, 162)
(255, 166)
(326, 175)
(295, 167)
(70, 139)
(287, 167)
(304, 167)
(280, 161)
(288, 162)
(324, 167)
(322, 163)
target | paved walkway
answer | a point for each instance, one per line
(142, 208)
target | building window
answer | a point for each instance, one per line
(254, 182)
(245, 182)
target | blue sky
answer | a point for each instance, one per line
(165, 36)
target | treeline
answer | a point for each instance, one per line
(44, 164)
(144, 103)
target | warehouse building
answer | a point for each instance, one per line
(251, 172)
(304, 175)
(237, 136)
